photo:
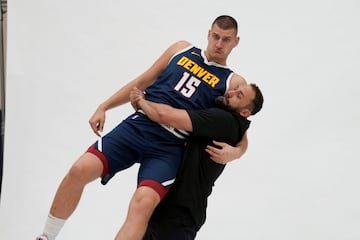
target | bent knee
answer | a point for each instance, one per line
(145, 198)
(86, 169)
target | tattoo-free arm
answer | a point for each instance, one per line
(225, 153)
(144, 80)
(179, 118)
(164, 114)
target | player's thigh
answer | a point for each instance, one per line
(162, 168)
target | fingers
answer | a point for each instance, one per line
(97, 122)
(136, 93)
(213, 151)
(214, 155)
(220, 153)
(97, 127)
(220, 144)
(135, 96)
(100, 127)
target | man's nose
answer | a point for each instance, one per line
(219, 43)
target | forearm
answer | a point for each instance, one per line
(151, 109)
(242, 146)
(118, 98)
(145, 79)
(122, 95)
(164, 114)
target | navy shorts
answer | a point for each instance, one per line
(140, 140)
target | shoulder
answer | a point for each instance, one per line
(173, 49)
(226, 118)
(215, 116)
(215, 123)
(236, 80)
(179, 46)
(166, 56)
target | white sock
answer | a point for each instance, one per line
(53, 226)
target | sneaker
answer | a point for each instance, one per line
(42, 237)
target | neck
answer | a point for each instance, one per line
(210, 58)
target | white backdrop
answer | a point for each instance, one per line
(300, 177)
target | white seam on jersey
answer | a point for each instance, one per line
(168, 182)
(183, 132)
(181, 51)
(206, 61)
(141, 111)
(228, 80)
(171, 129)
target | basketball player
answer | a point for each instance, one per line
(184, 76)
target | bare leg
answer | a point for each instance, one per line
(142, 205)
(86, 169)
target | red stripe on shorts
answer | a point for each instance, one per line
(102, 157)
(158, 187)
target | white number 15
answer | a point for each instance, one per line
(187, 85)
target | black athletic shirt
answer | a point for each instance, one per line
(187, 199)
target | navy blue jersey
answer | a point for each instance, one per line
(190, 81)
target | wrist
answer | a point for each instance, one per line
(141, 102)
(240, 151)
(103, 107)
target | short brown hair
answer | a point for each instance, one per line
(226, 22)
(257, 103)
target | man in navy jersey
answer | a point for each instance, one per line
(184, 76)
(183, 210)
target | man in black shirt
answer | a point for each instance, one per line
(183, 210)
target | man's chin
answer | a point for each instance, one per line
(220, 102)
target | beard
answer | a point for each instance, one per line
(221, 102)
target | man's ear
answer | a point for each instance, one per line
(245, 112)
(237, 40)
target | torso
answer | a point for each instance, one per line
(198, 173)
(190, 81)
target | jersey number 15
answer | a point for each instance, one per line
(187, 85)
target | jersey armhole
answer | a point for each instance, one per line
(181, 51)
(228, 82)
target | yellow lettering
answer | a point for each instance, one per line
(198, 71)
(201, 73)
(189, 64)
(207, 77)
(214, 80)
(195, 69)
(182, 61)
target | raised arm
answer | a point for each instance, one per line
(142, 81)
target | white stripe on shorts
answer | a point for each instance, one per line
(168, 182)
